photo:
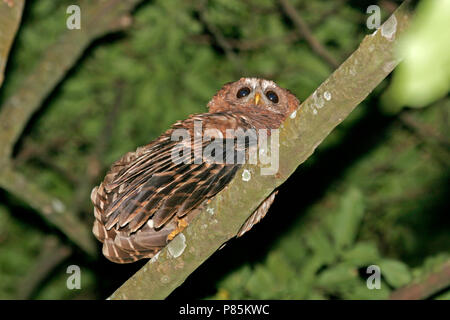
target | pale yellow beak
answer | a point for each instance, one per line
(257, 98)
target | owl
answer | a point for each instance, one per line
(147, 198)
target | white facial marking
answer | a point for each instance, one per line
(267, 84)
(252, 82)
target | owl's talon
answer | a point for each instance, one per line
(182, 224)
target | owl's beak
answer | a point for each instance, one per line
(257, 98)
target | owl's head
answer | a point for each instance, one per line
(254, 92)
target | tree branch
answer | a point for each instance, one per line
(220, 38)
(51, 209)
(432, 284)
(305, 31)
(53, 253)
(10, 16)
(426, 132)
(300, 135)
(97, 19)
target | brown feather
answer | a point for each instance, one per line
(144, 195)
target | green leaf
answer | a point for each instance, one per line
(444, 296)
(261, 283)
(362, 254)
(424, 74)
(278, 265)
(337, 275)
(347, 220)
(395, 272)
(360, 292)
(320, 245)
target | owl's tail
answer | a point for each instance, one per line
(119, 246)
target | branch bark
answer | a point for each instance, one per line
(432, 284)
(10, 16)
(300, 135)
(97, 19)
(51, 209)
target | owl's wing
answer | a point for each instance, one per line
(145, 194)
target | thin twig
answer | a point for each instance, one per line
(255, 44)
(220, 39)
(306, 32)
(53, 254)
(251, 44)
(438, 145)
(423, 130)
(337, 5)
(40, 153)
(432, 284)
(51, 208)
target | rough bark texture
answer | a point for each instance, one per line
(10, 16)
(300, 135)
(97, 19)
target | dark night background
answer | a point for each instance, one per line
(375, 191)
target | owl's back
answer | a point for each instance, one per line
(146, 196)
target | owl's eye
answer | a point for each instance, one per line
(272, 96)
(243, 92)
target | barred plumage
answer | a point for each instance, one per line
(146, 198)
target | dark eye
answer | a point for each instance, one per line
(272, 96)
(243, 92)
